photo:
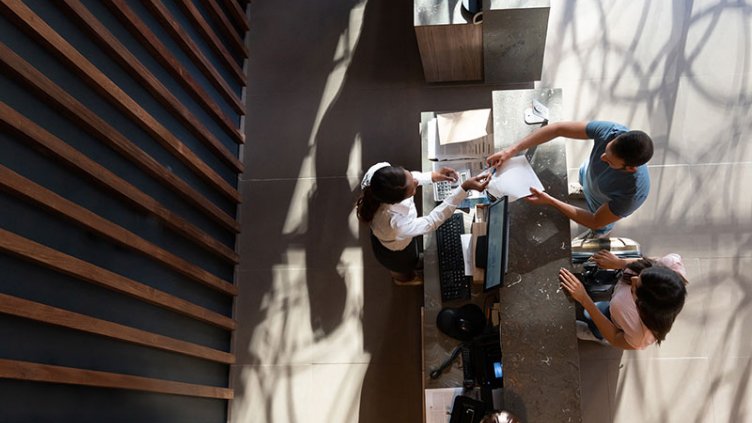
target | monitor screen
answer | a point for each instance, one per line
(497, 236)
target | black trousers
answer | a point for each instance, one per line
(403, 261)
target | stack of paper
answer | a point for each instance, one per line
(463, 126)
(460, 135)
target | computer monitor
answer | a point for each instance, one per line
(497, 238)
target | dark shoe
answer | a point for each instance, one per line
(401, 279)
(416, 281)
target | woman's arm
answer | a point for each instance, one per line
(607, 260)
(575, 288)
(437, 216)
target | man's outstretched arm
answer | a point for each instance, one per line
(599, 219)
(575, 130)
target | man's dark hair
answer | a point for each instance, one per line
(634, 147)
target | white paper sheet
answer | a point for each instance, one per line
(439, 404)
(466, 253)
(462, 126)
(514, 179)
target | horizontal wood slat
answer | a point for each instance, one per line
(192, 50)
(30, 22)
(45, 198)
(237, 14)
(56, 316)
(211, 37)
(137, 70)
(165, 57)
(24, 370)
(109, 135)
(226, 27)
(87, 272)
(135, 197)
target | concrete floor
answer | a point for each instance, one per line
(336, 85)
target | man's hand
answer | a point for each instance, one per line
(444, 174)
(539, 198)
(477, 183)
(498, 158)
(572, 286)
(607, 260)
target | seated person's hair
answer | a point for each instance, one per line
(388, 185)
(634, 147)
(660, 296)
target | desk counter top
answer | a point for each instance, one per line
(538, 339)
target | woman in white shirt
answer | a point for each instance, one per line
(645, 303)
(387, 205)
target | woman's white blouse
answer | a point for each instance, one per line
(395, 225)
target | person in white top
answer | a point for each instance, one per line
(387, 205)
(644, 304)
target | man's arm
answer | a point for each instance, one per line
(575, 130)
(599, 219)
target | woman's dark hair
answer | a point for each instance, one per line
(634, 147)
(660, 297)
(636, 267)
(388, 185)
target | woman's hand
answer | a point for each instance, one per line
(539, 197)
(477, 183)
(572, 286)
(444, 174)
(607, 260)
(498, 158)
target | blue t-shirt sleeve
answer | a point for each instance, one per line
(622, 206)
(603, 131)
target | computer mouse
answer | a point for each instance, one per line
(462, 323)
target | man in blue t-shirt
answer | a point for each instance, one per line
(615, 180)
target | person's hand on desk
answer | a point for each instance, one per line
(572, 286)
(444, 174)
(478, 182)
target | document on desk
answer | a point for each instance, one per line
(514, 179)
(477, 148)
(467, 253)
(439, 404)
(463, 126)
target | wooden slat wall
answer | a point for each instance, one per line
(119, 144)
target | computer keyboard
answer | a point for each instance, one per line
(452, 280)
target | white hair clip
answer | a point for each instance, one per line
(369, 174)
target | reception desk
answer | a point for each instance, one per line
(537, 330)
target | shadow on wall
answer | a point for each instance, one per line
(341, 87)
(677, 76)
